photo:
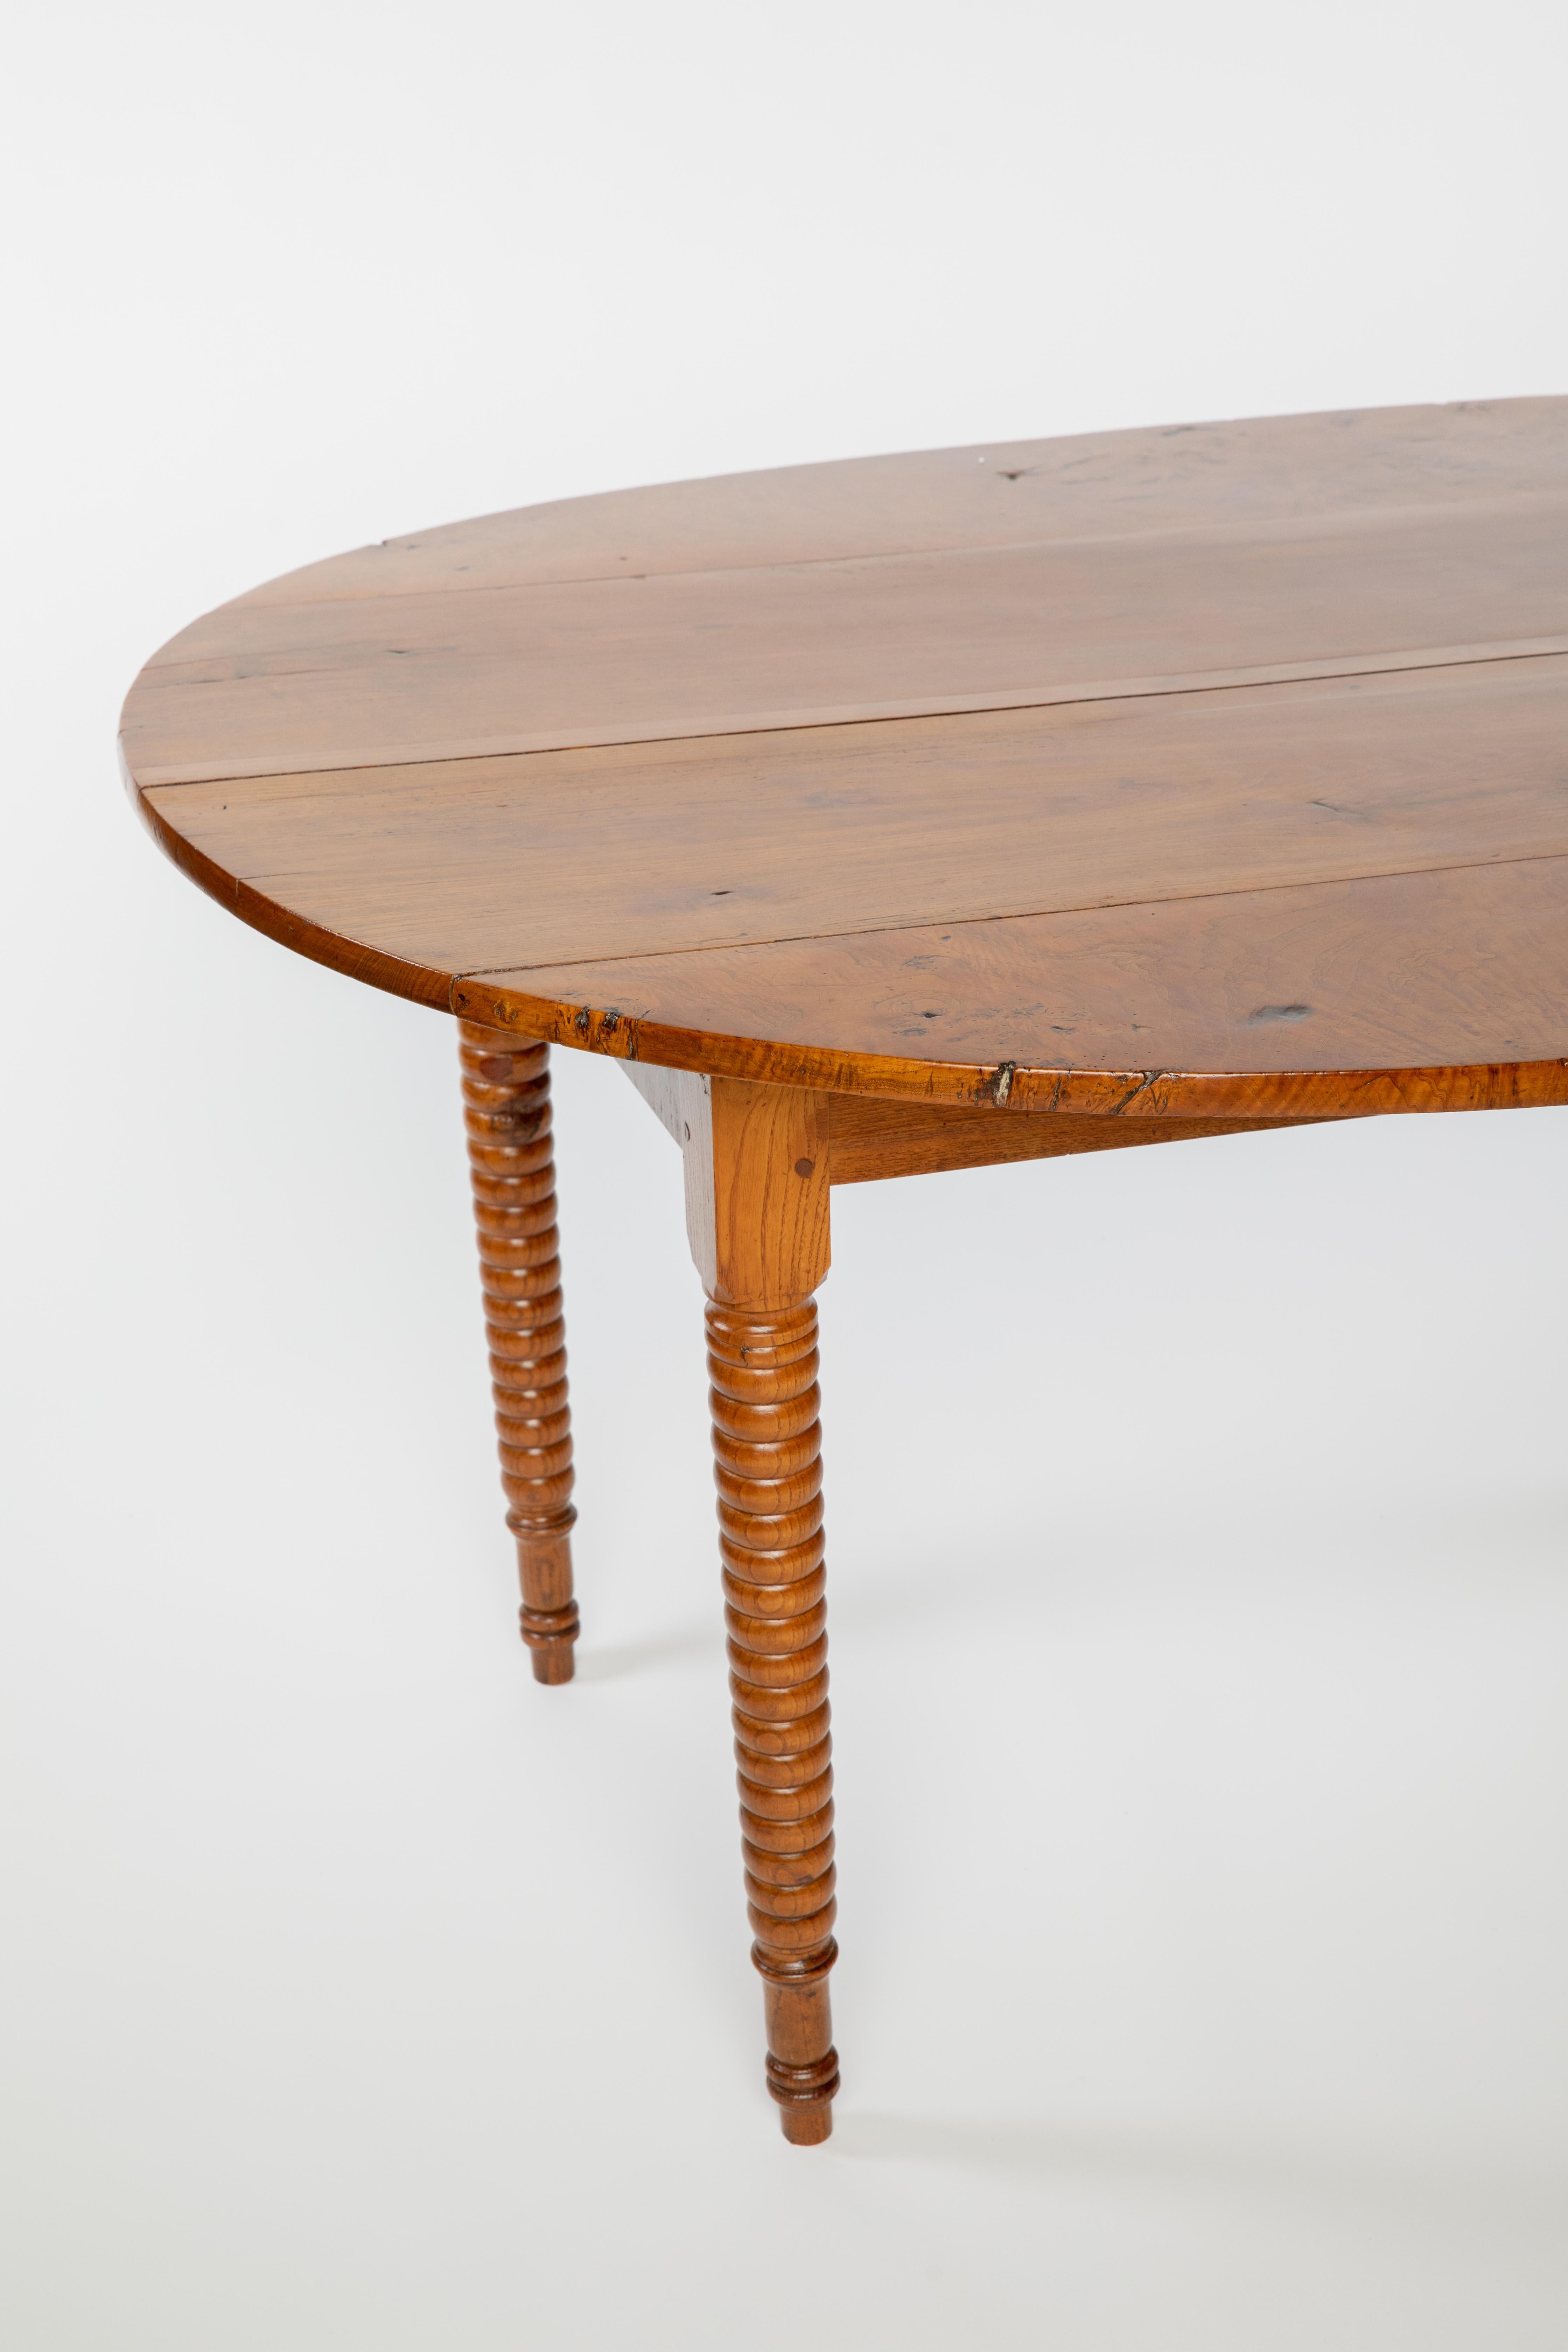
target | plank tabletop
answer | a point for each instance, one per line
(1215, 770)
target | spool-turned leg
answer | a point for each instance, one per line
(767, 1446)
(506, 1110)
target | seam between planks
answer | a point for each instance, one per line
(1021, 914)
(172, 778)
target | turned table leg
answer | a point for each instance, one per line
(506, 1110)
(756, 1195)
(767, 1448)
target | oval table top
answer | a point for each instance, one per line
(1218, 770)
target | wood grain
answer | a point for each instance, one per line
(756, 1190)
(460, 674)
(494, 865)
(511, 1156)
(358, 959)
(993, 494)
(1425, 992)
(872, 1140)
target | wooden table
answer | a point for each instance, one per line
(907, 814)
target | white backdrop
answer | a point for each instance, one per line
(1200, 1636)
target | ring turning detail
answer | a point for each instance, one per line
(511, 1161)
(767, 1463)
(883, 819)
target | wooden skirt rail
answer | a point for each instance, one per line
(868, 1139)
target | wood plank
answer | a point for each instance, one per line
(990, 494)
(1417, 992)
(360, 959)
(583, 856)
(273, 689)
(874, 1140)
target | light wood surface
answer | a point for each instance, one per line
(716, 653)
(939, 580)
(993, 494)
(912, 776)
(489, 865)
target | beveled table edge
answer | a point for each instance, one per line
(1010, 1089)
(1013, 1089)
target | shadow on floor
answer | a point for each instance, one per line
(1513, 2194)
(1467, 1544)
(676, 1647)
